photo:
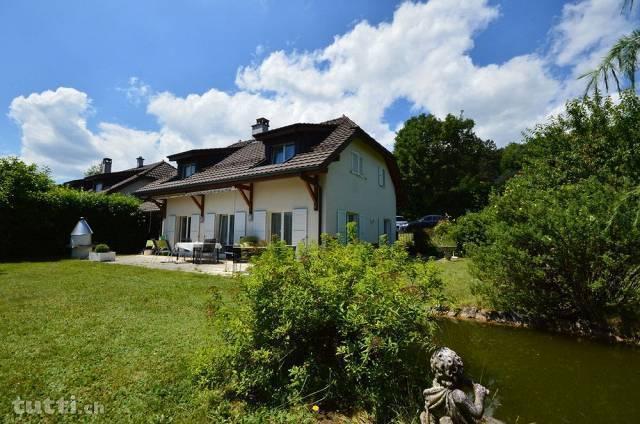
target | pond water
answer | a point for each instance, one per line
(537, 377)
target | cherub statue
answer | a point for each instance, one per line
(446, 402)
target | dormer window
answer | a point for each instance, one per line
(188, 169)
(283, 152)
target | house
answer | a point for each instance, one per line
(126, 181)
(294, 182)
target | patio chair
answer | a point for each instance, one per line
(208, 249)
(149, 245)
(163, 247)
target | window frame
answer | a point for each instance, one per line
(187, 166)
(284, 234)
(282, 148)
(357, 159)
(382, 177)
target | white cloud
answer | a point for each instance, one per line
(136, 91)
(55, 134)
(421, 55)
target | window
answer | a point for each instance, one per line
(283, 152)
(356, 164)
(282, 227)
(188, 169)
(381, 176)
(225, 229)
(387, 229)
(98, 187)
(184, 228)
(354, 217)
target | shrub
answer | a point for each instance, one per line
(344, 326)
(562, 253)
(562, 240)
(101, 248)
(470, 230)
(249, 240)
(37, 216)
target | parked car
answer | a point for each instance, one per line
(401, 223)
(427, 221)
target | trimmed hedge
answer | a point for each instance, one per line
(40, 225)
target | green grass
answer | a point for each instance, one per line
(458, 282)
(117, 335)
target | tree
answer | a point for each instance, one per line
(445, 166)
(93, 170)
(620, 64)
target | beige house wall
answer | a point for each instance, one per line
(343, 192)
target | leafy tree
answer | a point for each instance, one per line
(93, 170)
(19, 181)
(445, 166)
(562, 240)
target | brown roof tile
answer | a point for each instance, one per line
(247, 163)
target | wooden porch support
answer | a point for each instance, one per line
(246, 190)
(199, 204)
(312, 182)
(161, 204)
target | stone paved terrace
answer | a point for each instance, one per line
(170, 263)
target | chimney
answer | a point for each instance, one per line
(106, 166)
(140, 160)
(261, 125)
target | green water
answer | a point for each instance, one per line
(536, 377)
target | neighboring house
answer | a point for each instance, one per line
(294, 182)
(127, 181)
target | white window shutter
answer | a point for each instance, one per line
(239, 226)
(341, 229)
(170, 229)
(195, 227)
(260, 224)
(209, 226)
(299, 224)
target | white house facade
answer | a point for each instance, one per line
(292, 183)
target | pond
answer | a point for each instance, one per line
(537, 377)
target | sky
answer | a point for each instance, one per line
(84, 80)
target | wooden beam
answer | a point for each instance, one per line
(246, 191)
(312, 183)
(199, 204)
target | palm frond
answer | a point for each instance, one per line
(620, 62)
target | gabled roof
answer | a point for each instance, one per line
(154, 171)
(248, 162)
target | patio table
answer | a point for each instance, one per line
(192, 247)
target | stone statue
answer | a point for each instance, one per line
(446, 402)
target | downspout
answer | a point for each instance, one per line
(319, 212)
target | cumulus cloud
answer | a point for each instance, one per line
(55, 134)
(421, 55)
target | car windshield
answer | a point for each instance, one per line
(400, 218)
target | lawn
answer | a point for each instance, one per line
(116, 335)
(458, 282)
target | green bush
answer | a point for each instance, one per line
(249, 240)
(343, 326)
(562, 240)
(38, 217)
(470, 230)
(101, 248)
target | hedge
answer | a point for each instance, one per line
(39, 225)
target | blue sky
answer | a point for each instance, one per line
(85, 79)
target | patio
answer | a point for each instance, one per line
(170, 263)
